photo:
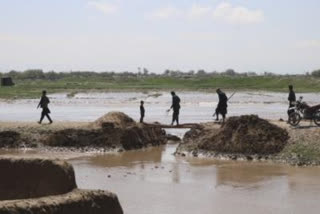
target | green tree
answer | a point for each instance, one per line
(316, 73)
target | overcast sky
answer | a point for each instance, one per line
(281, 36)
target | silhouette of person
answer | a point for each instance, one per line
(141, 111)
(44, 101)
(291, 99)
(222, 105)
(176, 108)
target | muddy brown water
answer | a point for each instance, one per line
(155, 181)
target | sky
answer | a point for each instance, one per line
(279, 36)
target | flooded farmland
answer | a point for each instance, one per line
(196, 106)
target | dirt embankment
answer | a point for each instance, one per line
(75, 202)
(303, 147)
(36, 186)
(32, 178)
(113, 130)
(251, 138)
(244, 136)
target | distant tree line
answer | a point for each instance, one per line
(316, 73)
(38, 74)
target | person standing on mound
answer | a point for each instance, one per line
(176, 108)
(222, 105)
(142, 111)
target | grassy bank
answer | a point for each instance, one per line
(32, 88)
(303, 147)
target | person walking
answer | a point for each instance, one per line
(44, 102)
(222, 105)
(176, 108)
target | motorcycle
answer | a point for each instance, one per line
(302, 111)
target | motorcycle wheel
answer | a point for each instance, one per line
(294, 119)
(316, 118)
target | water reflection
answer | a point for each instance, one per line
(129, 159)
(247, 175)
(169, 184)
(148, 164)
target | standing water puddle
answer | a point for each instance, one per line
(155, 181)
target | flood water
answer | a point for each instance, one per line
(155, 181)
(195, 106)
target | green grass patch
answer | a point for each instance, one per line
(303, 153)
(33, 88)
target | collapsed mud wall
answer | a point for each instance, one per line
(112, 130)
(9, 139)
(75, 202)
(31, 178)
(36, 186)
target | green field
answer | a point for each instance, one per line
(32, 88)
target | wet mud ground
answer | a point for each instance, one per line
(155, 181)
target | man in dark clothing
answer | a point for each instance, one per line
(222, 105)
(141, 111)
(291, 99)
(176, 108)
(44, 105)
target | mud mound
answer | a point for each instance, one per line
(81, 138)
(118, 119)
(30, 178)
(9, 139)
(243, 135)
(75, 202)
(136, 137)
(48, 186)
(113, 130)
(132, 137)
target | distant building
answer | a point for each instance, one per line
(6, 81)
